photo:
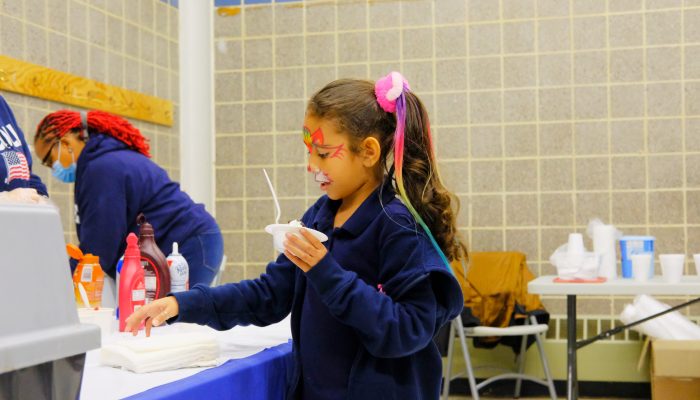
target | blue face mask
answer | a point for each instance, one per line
(64, 174)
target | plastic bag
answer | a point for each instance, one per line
(572, 261)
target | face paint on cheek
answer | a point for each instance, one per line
(336, 151)
(310, 139)
(339, 152)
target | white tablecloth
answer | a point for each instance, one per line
(101, 382)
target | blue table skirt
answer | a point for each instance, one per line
(260, 376)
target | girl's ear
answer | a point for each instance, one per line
(370, 151)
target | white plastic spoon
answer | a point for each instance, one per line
(274, 197)
(83, 295)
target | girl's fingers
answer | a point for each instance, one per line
(134, 320)
(297, 246)
(315, 243)
(292, 257)
(149, 323)
(161, 317)
(296, 260)
(304, 252)
(156, 318)
(295, 251)
(154, 314)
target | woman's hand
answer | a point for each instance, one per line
(305, 254)
(21, 195)
(155, 314)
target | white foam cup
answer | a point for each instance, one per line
(672, 267)
(641, 264)
(575, 245)
(279, 234)
(102, 317)
(696, 257)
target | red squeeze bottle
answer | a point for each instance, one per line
(155, 266)
(132, 292)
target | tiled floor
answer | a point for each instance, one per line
(527, 398)
(502, 398)
(522, 398)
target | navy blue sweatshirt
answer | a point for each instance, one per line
(15, 158)
(113, 185)
(363, 318)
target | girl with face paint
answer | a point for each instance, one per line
(366, 303)
(108, 159)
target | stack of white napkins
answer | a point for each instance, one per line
(162, 352)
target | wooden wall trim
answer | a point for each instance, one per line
(50, 84)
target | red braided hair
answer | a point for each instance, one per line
(58, 123)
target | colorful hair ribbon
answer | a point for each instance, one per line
(390, 96)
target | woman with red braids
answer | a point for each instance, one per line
(115, 181)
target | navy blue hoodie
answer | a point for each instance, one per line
(113, 185)
(363, 318)
(15, 158)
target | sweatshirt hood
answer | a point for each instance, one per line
(98, 145)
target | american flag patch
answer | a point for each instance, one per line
(17, 167)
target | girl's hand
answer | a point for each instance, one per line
(155, 314)
(305, 254)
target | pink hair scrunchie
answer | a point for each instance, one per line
(388, 89)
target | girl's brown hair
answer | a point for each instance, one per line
(353, 106)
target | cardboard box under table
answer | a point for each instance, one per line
(675, 369)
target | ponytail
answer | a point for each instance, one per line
(417, 177)
(57, 124)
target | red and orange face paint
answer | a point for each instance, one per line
(316, 139)
(311, 139)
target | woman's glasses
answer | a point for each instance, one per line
(45, 160)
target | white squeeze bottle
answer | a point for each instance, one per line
(179, 271)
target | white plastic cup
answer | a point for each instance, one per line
(575, 250)
(632, 245)
(641, 264)
(604, 244)
(672, 267)
(102, 317)
(575, 245)
(696, 257)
